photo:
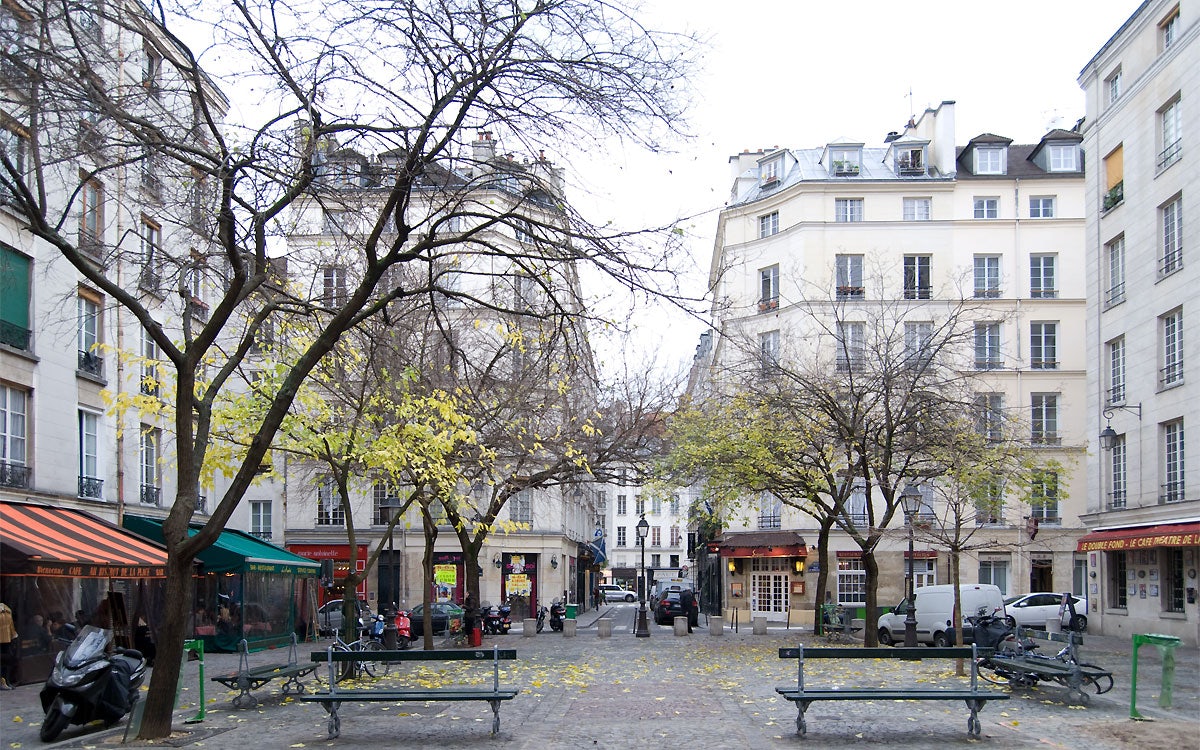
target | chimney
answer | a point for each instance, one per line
(483, 150)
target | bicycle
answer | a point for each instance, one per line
(834, 624)
(371, 667)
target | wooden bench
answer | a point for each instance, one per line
(803, 695)
(248, 678)
(335, 696)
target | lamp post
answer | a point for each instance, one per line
(911, 498)
(392, 505)
(642, 629)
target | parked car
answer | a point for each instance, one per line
(935, 608)
(330, 619)
(667, 607)
(445, 617)
(614, 593)
(1034, 610)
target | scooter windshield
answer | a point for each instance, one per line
(91, 644)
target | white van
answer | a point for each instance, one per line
(935, 608)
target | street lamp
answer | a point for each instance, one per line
(911, 498)
(392, 505)
(642, 629)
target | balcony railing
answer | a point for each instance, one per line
(1115, 294)
(14, 475)
(1045, 438)
(151, 495)
(1171, 375)
(1042, 363)
(91, 487)
(851, 292)
(91, 363)
(1043, 293)
(1116, 500)
(1115, 196)
(1116, 394)
(331, 519)
(845, 168)
(14, 335)
(769, 521)
(263, 534)
(766, 305)
(918, 292)
(989, 363)
(1170, 262)
(1171, 492)
(850, 364)
(1170, 154)
(989, 292)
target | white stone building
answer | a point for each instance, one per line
(813, 239)
(1143, 514)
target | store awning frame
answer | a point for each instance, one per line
(234, 551)
(1141, 537)
(38, 540)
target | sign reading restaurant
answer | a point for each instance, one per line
(92, 570)
(1140, 542)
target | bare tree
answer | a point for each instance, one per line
(410, 79)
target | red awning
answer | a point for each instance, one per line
(36, 540)
(1141, 537)
(790, 550)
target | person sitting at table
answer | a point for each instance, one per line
(224, 623)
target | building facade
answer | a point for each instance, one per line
(1142, 514)
(818, 243)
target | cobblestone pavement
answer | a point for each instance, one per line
(622, 692)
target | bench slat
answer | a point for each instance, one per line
(436, 655)
(888, 694)
(450, 694)
(883, 652)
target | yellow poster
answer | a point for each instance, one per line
(518, 583)
(445, 579)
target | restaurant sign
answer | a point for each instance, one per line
(1188, 539)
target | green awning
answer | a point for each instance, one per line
(233, 552)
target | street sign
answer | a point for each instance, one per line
(683, 571)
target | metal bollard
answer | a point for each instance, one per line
(1166, 649)
(196, 645)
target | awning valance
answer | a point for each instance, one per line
(36, 540)
(234, 551)
(763, 544)
(1141, 537)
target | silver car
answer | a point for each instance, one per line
(330, 619)
(614, 593)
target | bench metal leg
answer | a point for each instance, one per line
(974, 728)
(801, 726)
(244, 699)
(293, 683)
(335, 722)
(495, 717)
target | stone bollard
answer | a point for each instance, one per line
(760, 626)
(604, 628)
(569, 627)
(530, 627)
(681, 626)
(716, 626)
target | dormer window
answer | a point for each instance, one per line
(910, 161)
(990, 160)
(769, 172)
(845, 162)
(1063, 157)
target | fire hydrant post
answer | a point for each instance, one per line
(1166, 645)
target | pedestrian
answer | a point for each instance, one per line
(687, 602)
(8, 647)
(596, 597)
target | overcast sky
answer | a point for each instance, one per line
(800, 74)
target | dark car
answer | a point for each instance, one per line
(445, 617)
(329, 618)
(667, 607)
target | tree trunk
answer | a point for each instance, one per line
(164, 680)
(871, 616)
(822, 575)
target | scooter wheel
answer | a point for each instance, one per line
(53, 724)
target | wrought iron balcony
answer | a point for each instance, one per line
(14, 475)
(14, 335)
(1116, 500)
(1115, 196)
(151, 495)
(91, 487)
(91, 363)
(1171, 492)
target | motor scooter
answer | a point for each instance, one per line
(558, 612)
(541, 618)
(88, 683)
(496, 620)
(403, 630)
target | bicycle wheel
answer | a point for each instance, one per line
(373, 667)
(1101, 683)
(988, 672)
(345, 669)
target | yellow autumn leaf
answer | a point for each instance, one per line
(18, 719)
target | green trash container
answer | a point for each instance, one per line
(571, 609)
